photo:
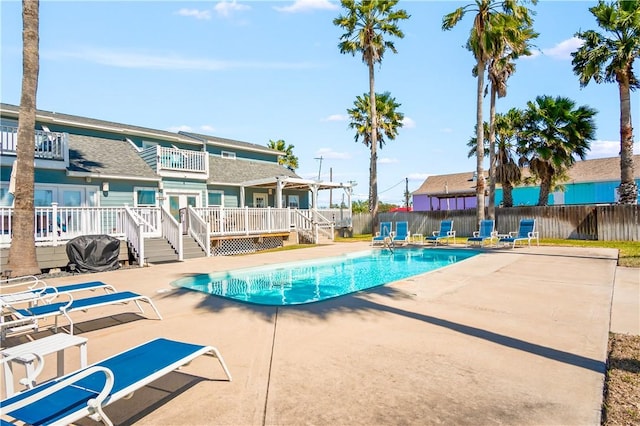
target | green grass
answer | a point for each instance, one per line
(629, 251)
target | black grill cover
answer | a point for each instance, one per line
(94, 253)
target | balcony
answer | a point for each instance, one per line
(177, 162)
(51, 148)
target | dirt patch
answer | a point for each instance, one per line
(622, 385)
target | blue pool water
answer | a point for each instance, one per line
(310, 281)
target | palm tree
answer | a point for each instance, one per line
(508, 172)
(288, 159)
(554, 132)
(513, 39)
(22, 258)
(388, 121)
(610, 60)
(367, 23)
(483, 42)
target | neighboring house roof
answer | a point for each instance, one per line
(236, 171)
(600, 170)
(230, 143)
(98, 157)
(596, 170)
(448, 185)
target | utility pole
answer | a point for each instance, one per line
(319, 168)
(406, 193)
(330, 190)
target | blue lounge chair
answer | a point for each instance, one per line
(526, 232)
(385, 232)
(39, 291)
(31, 315)
(445, 233)
(487, 232)
(401, 234)
(86, 392)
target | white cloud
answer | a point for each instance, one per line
(168, 61)
(329, 154)
(563, 49)
(226, 8)
(307, 5)
(195, 13)
(604, 149)
(181, 128)
(420, 177)
(335, 117)
(386, 160)
(408, 123)
(446, 130)
(207, 128)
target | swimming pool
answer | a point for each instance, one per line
(296, 283)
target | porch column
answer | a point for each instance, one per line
(278, 193)
(314, 195)
(241, 196)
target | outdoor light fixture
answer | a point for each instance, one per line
(105, 186)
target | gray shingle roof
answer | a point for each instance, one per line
(214, 140)
(236, 171)
(108, 157)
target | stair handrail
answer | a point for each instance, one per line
(323, 223)
(133, 234)
(304, 225)
(199, 230)
(172, 231)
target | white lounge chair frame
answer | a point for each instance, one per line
(104, 396)
(23, 316)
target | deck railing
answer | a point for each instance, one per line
(182, 160)
(172, 231)
(235, 221)
(48, 145)
(199, 230)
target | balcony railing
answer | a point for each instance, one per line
(48, 145)
(182, 160)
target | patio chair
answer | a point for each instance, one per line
(85, 392)
(487, 232)
(445, 233)
(401, 233)
(385, 232)
(30, 316)
(526, 232)
(37, 290)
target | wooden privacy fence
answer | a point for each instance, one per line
(603, 223)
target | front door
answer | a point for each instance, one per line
(178, 208)
(260, 200)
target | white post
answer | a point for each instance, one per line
(54, 225)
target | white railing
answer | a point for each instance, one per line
(149, 218)
(303, 224)
(244, 220)
(183, 160)
(134, 232)
(341, 217)
(172, 231)
(48, 145)
(199, 230)
(325, 226)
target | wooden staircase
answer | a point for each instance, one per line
(158, 250)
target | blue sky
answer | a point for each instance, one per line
(256, 71)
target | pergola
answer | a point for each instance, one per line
(279, 183)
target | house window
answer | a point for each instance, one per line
(294, 201)
(215, 198)
(145, 197)
(6, 199)
(42, 197)
(228, 154)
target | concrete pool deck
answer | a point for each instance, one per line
(507, 337)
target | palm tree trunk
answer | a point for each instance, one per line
(507, 194)
(373, 169)
(545, 189)
(22, 253)
(492, 155)
(480, 184)
(628, 190)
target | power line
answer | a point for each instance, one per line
(389, 189)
